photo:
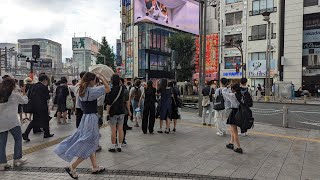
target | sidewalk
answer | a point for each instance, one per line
(193, 152)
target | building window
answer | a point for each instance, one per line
(258, 32)
(260, 56)
(234, 38)
(232, 62)
(261, 6)
(232, 1)
(233, 18)
(307, 3)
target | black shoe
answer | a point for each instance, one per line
(204, 124)
(119, 149)
(25, 137)
(167, 131)
(144, 132)
(99, 149)
(174, 129)
(238, 150)
(129, 128)
(160, 131)
(48, 136)
(230, 146)
(112, 150)
(151, 132)
(69, 117)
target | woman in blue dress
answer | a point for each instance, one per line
(165, 105)
(84, 142)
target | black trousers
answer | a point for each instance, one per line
(79, 114)
(31, 126)
(149, 117)
(125, 126)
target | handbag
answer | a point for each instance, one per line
(69, 101)
(206, 99)
(115, 100)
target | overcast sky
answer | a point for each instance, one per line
(59, 20)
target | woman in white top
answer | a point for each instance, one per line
(9, 121)
(234, 98)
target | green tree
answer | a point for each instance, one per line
(106, 52)
(184, 46)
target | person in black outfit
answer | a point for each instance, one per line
(126, 116)
(175, 109)
(39, 100)
(149, 111)
(61, 94)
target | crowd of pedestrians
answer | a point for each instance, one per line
(87, 98)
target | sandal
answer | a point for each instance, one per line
(98, 170)
(72, 172)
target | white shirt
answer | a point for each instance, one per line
(100, 100)
(8, 112)
(231, 97)
(227, 103)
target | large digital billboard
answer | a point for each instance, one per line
(178, 14)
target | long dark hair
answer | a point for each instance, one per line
(237, 90)
(149, 85)
(6, 87)
(163, 85)
(84, 83)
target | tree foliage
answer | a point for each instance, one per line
(184, 46)
(106, 51)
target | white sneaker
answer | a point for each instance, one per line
(4, 166)
(18, 162)
(242, 134)
(219, 134)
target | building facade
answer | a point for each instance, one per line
(301, 53)
(242, 21)
(9, 62)
(85, 52)
(50, 51)
(146, 27)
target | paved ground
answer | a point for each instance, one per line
(194, 152)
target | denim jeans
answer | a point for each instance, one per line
(17, 136)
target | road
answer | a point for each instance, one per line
(300, 116)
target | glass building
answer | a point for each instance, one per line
(154, 55)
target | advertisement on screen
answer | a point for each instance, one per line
(177, 14)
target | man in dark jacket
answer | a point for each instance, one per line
(39, 100)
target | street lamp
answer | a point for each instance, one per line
(266, 17)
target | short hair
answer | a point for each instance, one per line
(224, 81)
(129, 83)
(74, 82)
(43, 77)
(82, 74)
(209, 83)
(243, 81)
(115, 79)
(64, 80)
(137, 83)
(5, 76)
(122, 80)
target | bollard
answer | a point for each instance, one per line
(305, 99)
(285, 117)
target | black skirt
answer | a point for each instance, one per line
(231, 119)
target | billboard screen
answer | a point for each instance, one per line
(178, 14)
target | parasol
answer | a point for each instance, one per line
(105, 70)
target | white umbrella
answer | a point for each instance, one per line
(105, 70)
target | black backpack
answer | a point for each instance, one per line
(247, 99)
(219, 102)
(244, 116)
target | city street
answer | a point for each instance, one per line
(193, 152)
(299, 115)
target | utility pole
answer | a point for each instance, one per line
(5, 58)
(0, 62)
(200, 56)
(266, 16)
